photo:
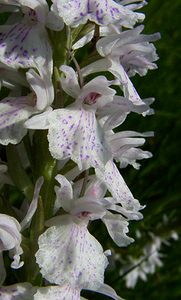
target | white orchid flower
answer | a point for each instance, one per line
(72, 258)
(16, 110)
(74, 131)
(93, 206)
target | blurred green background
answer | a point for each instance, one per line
(158, 183)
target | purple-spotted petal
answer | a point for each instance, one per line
(26, 45)
(13, 113)
(118, 188)
(64, 292)
(69, 254)
(75, 12)
(74, 133)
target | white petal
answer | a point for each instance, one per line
(69, 254)
(74, 133)
(42, 87)
(108, 291)
(20, 291)
(128, 88)
(39, 121)
(64, 194)
(33, 206)
(14, 112)
(70, 83)
(57, 293)
(117, 227)
(118, 188)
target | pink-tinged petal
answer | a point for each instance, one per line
(105, 12)
(118, 188)
(20, 291)
(69, 254)
(14, 112)
(75, 133)
(65, 292)
(33, 206)
(117, 227)
(26, 45)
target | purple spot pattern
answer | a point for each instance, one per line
(58, 293)
(25, 45)
(102, 12)
(68, 253)
(75, 134)
(13, 113)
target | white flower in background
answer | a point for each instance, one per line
(147, 263)
(20, 291)
(25, 44)
(103, 12)
(4, 177)
(14, 111)
(74, 131)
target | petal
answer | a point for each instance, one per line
(64, 194)
(57, 293)
(105, 12)
(20, 291)
(14, 112)
(33, 206)
(74, 133)
(108, 291)
(26, 46)
(129, 90)
(43, 88)
(69, 254)
(117, 227)
(70, 83)
(118, 188)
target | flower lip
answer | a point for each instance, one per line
(91, 98)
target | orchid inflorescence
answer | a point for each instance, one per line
(65, 70)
